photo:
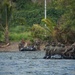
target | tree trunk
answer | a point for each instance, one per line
(6, 28)
(6, 34)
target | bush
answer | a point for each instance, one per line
(19, 29)
(19, 36)
(38, 31)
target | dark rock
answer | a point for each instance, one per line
(28, 48)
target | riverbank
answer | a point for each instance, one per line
(12, 47)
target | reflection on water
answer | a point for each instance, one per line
(31, 63)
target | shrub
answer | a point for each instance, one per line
(19, 36)
(19, 29)
(38, 31)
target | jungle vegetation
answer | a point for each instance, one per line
(25, 19)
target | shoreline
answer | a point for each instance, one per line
(12, 47)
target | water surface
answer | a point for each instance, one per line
(31, 63)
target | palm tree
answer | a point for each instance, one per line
(52, 28)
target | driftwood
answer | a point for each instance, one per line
(5, 45)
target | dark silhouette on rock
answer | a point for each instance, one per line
(21, 44)
(49, 49)
(70, 52)
(28, 48)
(24, 46)
(60, 49)
(37, 44)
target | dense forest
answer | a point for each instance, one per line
(25, 19)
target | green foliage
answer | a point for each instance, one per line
(64, 15)
(19, 29)
(38, 31)
(54, 14)
(50, 24)
(23, 4)
(6, 10)
(32, 13)
(5, 15)
(19, 36)
(68, 19)
(27, 17)
(52, 29)
(27, 13)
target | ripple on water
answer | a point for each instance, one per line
(31, 63)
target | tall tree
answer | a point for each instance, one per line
(66, 21)
(6, 9)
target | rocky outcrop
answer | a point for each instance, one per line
(59, 49)
(70, 51)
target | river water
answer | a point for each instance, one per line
(31, 63)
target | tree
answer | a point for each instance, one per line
(51, 28)
(66, 21)
(6, 10)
